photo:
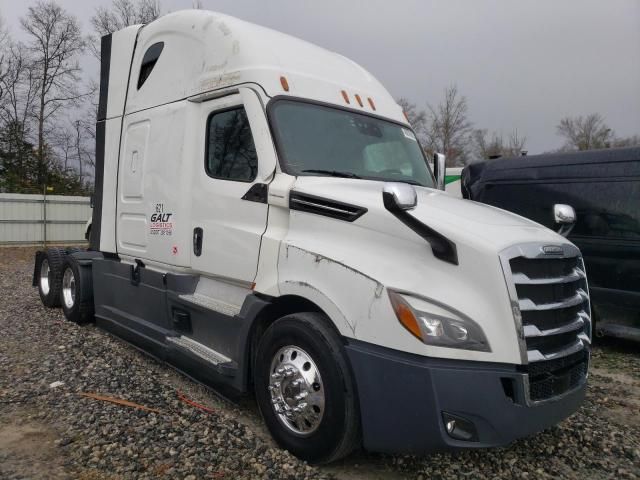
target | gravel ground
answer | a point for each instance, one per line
(49, 430)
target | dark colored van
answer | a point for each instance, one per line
(603, 187)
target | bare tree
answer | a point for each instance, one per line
(417, 118)
(64, 144)
(632, 141)
(124, 13)
(88, 129)
(585, 133)
(55, 43)
(4, 44)
(494, 145)
(121, 14)
(20, 86)
(78, 145)
(449, 128)
(4, 33)
(486, 146)
(515, 144)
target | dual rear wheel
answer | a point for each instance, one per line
(49, 277)
(63, 281)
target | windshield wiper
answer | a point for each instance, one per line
(399, 180)
(333, 173)
(410, 182)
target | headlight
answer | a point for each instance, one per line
(436, 324)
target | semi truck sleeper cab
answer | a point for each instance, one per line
(266, 221)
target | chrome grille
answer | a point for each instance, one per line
(550, 301)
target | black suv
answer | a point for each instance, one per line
(603, 187)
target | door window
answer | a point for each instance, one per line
(230, 151)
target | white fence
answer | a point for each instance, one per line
(29, 219)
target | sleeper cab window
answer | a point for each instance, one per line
(149, 61)
(230, 151)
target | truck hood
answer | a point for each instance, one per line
(459, 219)
(345, 266)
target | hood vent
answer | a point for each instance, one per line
(322, 206)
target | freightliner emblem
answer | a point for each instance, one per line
(553, 250)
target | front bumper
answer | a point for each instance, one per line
(403, 396)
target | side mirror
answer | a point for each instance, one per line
(439, 169)
(565, 217)
(399, 196)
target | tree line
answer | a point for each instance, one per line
(446, 128)
(48, 109)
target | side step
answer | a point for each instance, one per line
(212, 304)
(618, 331)
(222, 364)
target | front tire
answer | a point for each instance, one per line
(305, 389)
(50, 277)
(76, 292)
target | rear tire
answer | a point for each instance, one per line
(50, 277)
(76, 293)
(306, 350)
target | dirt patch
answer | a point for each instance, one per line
(30, 451)
(11, 256)
(623, 407)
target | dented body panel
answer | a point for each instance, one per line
(377, 252)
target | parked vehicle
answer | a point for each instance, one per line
(453, 181)
(266, 221)
(603, 188)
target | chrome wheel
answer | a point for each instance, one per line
(296, 389)
(69, 288)
(44, 277)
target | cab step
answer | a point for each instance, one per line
(222, 364)
(212, 304)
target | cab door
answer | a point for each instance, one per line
(229, 209)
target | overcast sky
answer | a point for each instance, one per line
(521, 64)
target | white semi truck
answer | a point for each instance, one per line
(265, 221)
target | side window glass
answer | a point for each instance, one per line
(230, 151)
(149, 61)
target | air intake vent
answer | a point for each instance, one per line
(552, 299)
(322, 206)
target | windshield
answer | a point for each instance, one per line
(318, 140)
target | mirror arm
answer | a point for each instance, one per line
(439, 169)
(565, 230)
(441, 247)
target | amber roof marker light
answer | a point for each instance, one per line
(284, 83)
(359, 100)
(345, 96)
(373, 105)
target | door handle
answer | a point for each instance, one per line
(197, 241)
